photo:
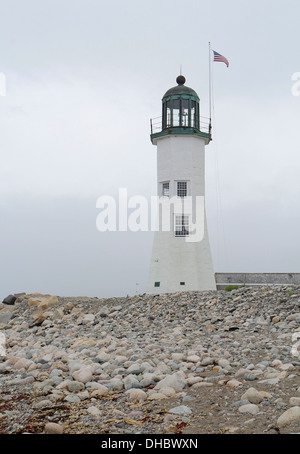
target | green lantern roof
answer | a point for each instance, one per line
(181, 89)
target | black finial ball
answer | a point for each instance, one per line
(180, 80)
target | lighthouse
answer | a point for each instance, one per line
(181, 256)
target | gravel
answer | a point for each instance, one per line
(227, 362)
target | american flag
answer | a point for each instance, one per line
(219, 57)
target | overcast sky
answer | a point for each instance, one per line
(83, 78)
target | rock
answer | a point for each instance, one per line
(88, 318)
(290, 416)
(84, 395)
(9, 300)
(177, 357)
(192, 380)
(47, 302)
(53, 428)
(156, 396)
(33, 301)
(131, 382)
(249, 408)
(182, 410)
(134, 369)
(202, 384)
(239, 403)
(250, 377)
(287, 366)
(137, 394)
(295, 401)
(5, 316)
(94, 411)
(103, 357)
(233, 383)
(224, 363)
(276, 362)
(83, 375)
(116, 384)
(193, 358)
(167, 391)
(63, 384)
(42, 404)
(169, 418)
(253, 396)
(57, 314)
(266, 395)
(175, 381)
(270, 381)
(207, 362)
(100, 391)
(75, 386)
(72, 399)
(147, 380)
(23, 363)
(83, 342)
(240, 373)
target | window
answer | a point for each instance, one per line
(176, 112)
(181, 188)
(156, 284)
(185, 113)
(166, 189)
(193, 114)
(182, 283)
(181, 225)
(168, 114)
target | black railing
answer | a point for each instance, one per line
(156, 124)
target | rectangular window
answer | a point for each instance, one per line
(156, 284)
(185, 122)
(182, 283)
(181, 225)
(181, 188)
(166, 189)
(193, 114)
(176, 112)
(168, 114)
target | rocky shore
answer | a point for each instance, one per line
(213, 362)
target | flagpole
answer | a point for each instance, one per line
(209, 64)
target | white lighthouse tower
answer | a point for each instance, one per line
(181, 261)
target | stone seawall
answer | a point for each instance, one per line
(256, 279)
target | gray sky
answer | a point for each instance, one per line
(83, 79)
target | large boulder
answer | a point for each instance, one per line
(10, 300)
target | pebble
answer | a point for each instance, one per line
(233, 383)
(295, 401)
(250, 377)
(290, 416)
(53, 428)
(156, 349)
(176, 381)
(75, 386)
(253, 396)
(249, 408)
(137, 394)
(182, 410)
(94, 411)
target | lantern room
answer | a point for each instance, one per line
(180, 114)
(180, 107)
